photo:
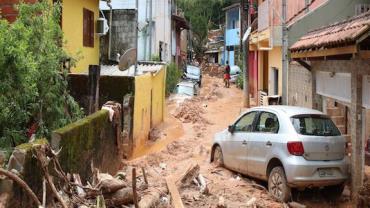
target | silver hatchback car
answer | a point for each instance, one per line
(290, 147)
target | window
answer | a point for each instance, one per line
(314, 125)
(268, 122)
(245, 124)
(88, 28)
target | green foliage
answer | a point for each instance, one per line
(33, 87)
(173, 76)
(155, 58)
(240, 79)
(203, 15)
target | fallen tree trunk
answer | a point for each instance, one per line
(21, 183)
(151, 199)
(120, 197)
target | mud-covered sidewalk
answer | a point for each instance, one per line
(185, 139)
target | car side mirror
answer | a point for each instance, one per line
(231, 129)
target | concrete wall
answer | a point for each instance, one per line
(299, 86)
(123, 34)
(91, 139)
(149, 106)
(72, 19)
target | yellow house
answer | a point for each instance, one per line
(78, 22)
(79, 19)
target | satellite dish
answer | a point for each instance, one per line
(127, 59)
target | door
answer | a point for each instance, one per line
(261, 142)
(236, 144)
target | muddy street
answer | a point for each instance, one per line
(185, 139)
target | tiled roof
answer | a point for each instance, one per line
(335, 35)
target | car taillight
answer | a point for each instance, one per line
(295, 148)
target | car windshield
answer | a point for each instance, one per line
(193, 70)
(314, 125)
(185, 90)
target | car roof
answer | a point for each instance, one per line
(289, 110)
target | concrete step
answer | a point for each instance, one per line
(338, 120)
(334, 112)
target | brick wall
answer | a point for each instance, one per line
(300, 86)
(8, 10)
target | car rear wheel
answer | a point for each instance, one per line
(277, 184)
(334, 192)
(218, 157)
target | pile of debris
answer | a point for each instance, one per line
(190, 111)
(212, 92)
(364, 195)
(67, 190)
(213, 70)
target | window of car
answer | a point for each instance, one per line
(267, 123)
(245, 124)
(315, 125)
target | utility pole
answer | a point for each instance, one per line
(285, 54)
(137, 35)
(245, 49)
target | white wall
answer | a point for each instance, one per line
(337, 86)
(161, 29)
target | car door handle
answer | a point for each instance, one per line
(244, 142)
(268, 144)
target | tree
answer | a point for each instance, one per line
(33, 85)
(203, 15)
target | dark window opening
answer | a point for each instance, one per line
(88, 28)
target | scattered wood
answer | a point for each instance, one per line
(203, 184)
(144, 175)
(43, 192)
(44, 162)
(296, 205)
(175, 195)
(191, 173)
(134, 188)
(22, 184)
(108, 184)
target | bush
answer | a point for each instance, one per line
(173, 76)
(155, 58)
(33, 84)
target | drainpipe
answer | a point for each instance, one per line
(245, 44)
(110, 30)
(150, 28)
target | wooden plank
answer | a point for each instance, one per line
(326, 52)
(175, 195)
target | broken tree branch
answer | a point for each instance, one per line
(21, 183)
(41, 156)
(134, 187)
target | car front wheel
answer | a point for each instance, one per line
(218, 157)
(277, 185)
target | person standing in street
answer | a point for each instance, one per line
(227, 75)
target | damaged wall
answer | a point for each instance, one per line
(89, 139)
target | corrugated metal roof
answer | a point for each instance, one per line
(141, 69)
(335, 35)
